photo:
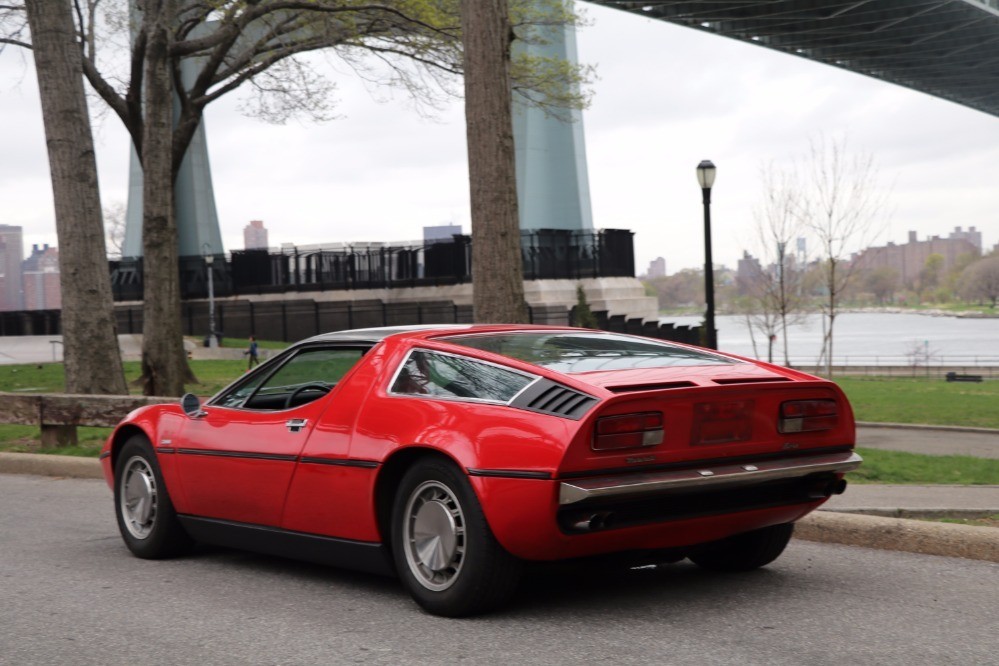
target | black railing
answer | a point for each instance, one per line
(546, 253)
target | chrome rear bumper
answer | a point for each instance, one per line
(699, 478)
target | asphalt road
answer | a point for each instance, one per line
(71, 594)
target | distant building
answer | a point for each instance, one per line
(440, 232)
(909, 259)
(748, 273)
(255, 236)
(11, 258)
(972, 235)
(657, 268)
(41, 279)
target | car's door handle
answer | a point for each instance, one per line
(295, 425)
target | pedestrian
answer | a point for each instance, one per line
(252, 353)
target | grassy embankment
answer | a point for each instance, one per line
(917, 401)
(926, 402)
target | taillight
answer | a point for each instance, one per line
(722, 422)
(808, 416)
(628, 431)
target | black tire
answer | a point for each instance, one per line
(460, 569)
(745, 552)
(146, 517)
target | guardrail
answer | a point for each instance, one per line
(933, 361)
(932, 372)
(59, 414)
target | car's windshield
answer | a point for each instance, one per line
(569, 351)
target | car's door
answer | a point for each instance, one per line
(237, 457)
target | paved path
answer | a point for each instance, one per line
(17, 349)
(930, 441)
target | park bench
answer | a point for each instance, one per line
(59, 414)
(960, 377)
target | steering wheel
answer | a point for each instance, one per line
(302, 389)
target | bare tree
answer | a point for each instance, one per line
(844, 207)
(778, 285)
(90, 344)
(114, 228)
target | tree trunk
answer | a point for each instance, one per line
(90, 343)
(164, 363)
(497, 271)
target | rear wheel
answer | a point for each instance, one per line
(745, 552)
(444, 551)
(146, 517)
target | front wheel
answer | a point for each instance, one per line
(745, 552)
(146, 518)
(444, 551)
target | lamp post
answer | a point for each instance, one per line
(213, 341)
(706, 178)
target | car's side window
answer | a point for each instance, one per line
(308, 375)
(450, 376)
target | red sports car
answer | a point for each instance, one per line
(451, 455)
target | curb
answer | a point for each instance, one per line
(850, 529)
(900, 534)
(42, 464)
(930, 514)
(919, 426)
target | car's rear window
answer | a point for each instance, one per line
(568, 351)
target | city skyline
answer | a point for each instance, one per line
(653, 119)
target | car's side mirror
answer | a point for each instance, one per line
(191, 405)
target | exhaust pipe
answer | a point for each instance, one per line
(826, 489)
(600, 520)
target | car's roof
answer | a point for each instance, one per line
(382, 332)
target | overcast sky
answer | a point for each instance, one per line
(667, 97)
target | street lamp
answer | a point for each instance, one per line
(213, 341)
(706, 178)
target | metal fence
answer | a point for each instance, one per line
(546, 254)
(293, 318)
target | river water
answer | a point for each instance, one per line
(868, 338)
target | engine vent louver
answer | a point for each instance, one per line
(548, 397)
(632, 388)
(750, 380)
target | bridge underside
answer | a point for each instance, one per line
(949, 49)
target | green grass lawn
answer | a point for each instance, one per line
(923, 401)
(49, 378)
(911, 468)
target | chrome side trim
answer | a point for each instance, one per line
(711, 476)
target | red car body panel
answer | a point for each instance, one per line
(513, 509)
(245, 466)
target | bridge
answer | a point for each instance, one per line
(945, 48)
